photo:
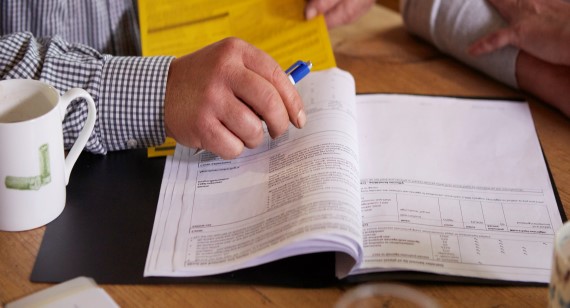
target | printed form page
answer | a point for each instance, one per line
(454, 186)
(297, 194)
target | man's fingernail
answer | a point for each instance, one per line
(301, 118)
(310, 13)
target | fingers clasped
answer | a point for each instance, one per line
(538, 27)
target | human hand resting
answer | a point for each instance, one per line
(539, 27)
(337, 12)
(217, 96)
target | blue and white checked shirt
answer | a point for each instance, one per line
(94, 45)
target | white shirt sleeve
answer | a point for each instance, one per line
(453, 25)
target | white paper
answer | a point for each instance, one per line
(80, 292)
(392, 182)
(297, 194)
(454, 186)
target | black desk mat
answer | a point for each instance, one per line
(105, 229)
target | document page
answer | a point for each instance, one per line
(297, 194)
(454, 186)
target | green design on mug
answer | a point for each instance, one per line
(32, 182)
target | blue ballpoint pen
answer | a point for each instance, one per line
(298, 70)
(295, 73)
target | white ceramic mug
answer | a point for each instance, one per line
(559, 289)
(33, 168)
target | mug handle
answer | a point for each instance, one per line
(85, 132)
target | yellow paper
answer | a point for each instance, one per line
(180, 27)
(167, 148)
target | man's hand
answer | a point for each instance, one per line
(539, 27)
(337, 12)
(217, 96)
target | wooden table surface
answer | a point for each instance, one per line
(383, 57)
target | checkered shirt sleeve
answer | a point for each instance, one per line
(47, 40)
(128, 91)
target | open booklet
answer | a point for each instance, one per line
(389, 182)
